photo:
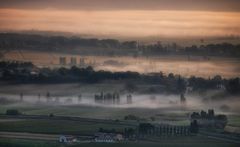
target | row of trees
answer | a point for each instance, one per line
(29, 41)
(163, 130)
(222, 49)
(171, 83)
(16, 65)
(110, 46)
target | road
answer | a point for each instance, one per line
(35, 136)
(218, 136)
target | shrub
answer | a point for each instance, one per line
(12, 112)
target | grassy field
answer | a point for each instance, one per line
(27, 143)
(171, 116)
(234, 120)
(76, 127)
(160, 115)
(168, 142)
(56, 126)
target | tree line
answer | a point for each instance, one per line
(21, 72)
(11, 41)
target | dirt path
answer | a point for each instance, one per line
(18, 135)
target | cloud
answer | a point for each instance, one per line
(200, 5)
(124, 23)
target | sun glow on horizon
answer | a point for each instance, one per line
(124, 22)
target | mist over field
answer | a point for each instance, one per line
(143, 73)
(139, 101)
(68, 95)
(197, 66)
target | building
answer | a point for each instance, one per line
(73, 61)
(82, 62)
(62, 61)
(63, 139)
(108, 137)
(104, 137)
(119, 137)
(67, 139)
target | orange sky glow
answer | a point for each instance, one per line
(168, 23)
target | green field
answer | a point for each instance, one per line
(160, 115)
(234, 120)
(144, 114)
(169, 142)
(27, 143)
(56, 126)
(82, 127)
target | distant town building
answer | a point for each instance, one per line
(82, 62)
(62, 60)
(73, 61)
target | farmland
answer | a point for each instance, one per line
(160, 115)
(57, 126)
(169, 142)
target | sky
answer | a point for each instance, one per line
(128, 18)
